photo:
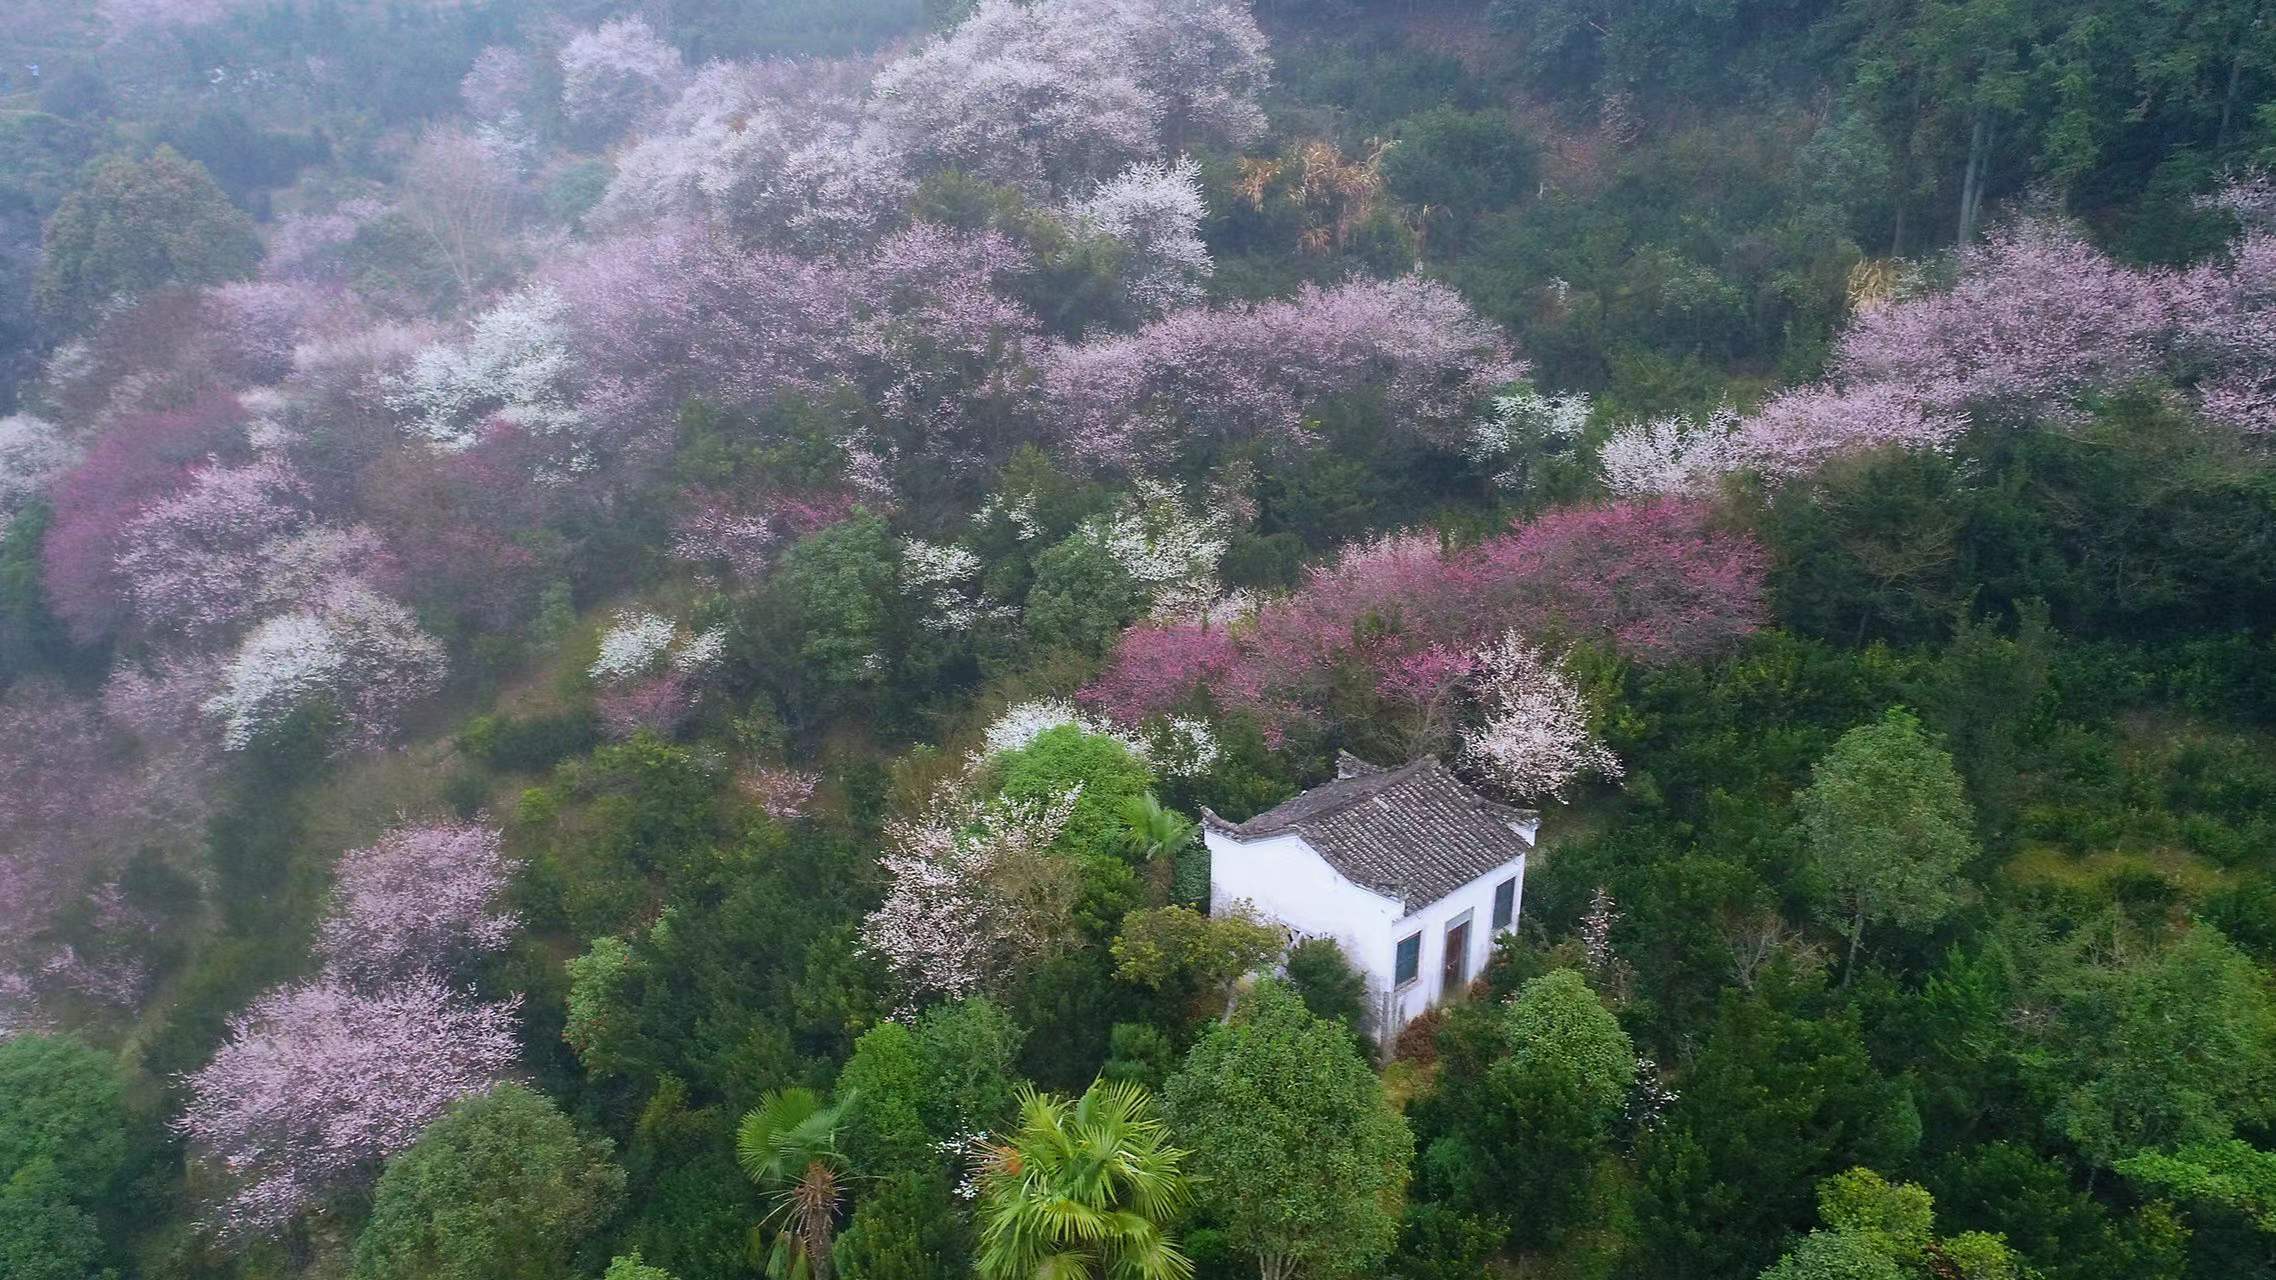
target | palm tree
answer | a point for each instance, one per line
(788, 1144)
(1155, 835)
(1084, 1190)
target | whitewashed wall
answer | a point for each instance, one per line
(1284, 880)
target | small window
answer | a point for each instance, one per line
(1505, 903)
(1409, 961)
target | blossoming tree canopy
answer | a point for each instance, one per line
(319, 1083)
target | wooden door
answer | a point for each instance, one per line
(1456, 975)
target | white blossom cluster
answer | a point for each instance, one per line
(1170, 552)
(357, 649)
(1019, 511)
(1154, 211)
(1525, 421)
(1177, 747)
(31, 451)
(1673, 454)
(638, 641)
(1534, 740)
(957, 916)
(944, 576)
(514, 363)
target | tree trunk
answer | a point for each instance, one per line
(1971, 186)
(1275, 1266)
(2228, 99)
(1856, 939)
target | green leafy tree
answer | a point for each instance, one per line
(1084, 1189)
(1067, 757)
(1322, 975)
(907, 1228)
(915, 1086)
(788, 1145)
(62, 1106)
(1773, 1103)
(1888, 826)
(841, 581)
(1299, 1152)
(63, 1146)
(1559, 1024)
(500, 1187)
(2230, 1175)
(1878, 1230)
(630, 1267)
(1192, 959)
(2175, 1049)
(132, 226)
(1082, 597)
(1524, 1117)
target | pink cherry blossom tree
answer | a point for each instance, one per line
(318, 1084)
(1250, 372)
(1533, 738)
(129, 465)
(194, 561)
(423, 897)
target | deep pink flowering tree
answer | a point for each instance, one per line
(132, 464)
(318, 1084)
(424, 897)
(1157, 668)
(1251, 372)
(1656, 577)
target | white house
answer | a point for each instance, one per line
(1410, 871)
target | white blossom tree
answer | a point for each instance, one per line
(1154, 211)
(615, 73)
(351, 651)
(975, 891)
(1533, 739)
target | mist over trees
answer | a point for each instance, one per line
(616, 622)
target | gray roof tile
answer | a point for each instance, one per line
(1415, 833)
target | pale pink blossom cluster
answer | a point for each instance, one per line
(423, 897)
(195, 561)
(32, 452)
(318, 1084)
(1533, 739)
(967, 904)
(1251, 371)
(2035, 321)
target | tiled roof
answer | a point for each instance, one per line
(1414, 833)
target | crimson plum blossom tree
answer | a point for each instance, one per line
(1656, 577)
(1533, 739)
(422, 897)
(319, 1083)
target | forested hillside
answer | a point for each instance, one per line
(617, 619)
